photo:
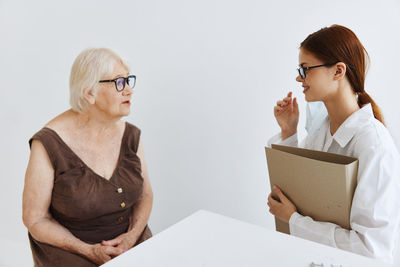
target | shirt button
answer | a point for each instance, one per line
(120, 219)
(119, 190)
(123, 205)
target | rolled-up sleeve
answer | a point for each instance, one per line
(277, 139)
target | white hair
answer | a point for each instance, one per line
(89, 67)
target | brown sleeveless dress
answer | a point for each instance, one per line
(91, 207)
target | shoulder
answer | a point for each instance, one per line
(372, 133)
(49, 130)
(373, 140)
(132, 129)
(61, 121)
(132, 136)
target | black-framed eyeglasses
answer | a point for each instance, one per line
(121, 82)
(302, 70)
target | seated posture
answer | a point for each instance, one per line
(332, 69)
(87, 196)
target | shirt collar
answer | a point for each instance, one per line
(352, 124)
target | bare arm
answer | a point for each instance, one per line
(39, 179)
(141, 214)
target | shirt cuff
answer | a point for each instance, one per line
(293, 218)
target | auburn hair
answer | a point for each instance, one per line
(339, 44)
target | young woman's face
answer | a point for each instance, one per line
(319, 82)
(111, 102)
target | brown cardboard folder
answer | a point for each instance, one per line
(320, 184)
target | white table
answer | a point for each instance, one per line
(209, 239)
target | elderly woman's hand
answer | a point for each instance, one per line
(282, 208)
(100, 254)
(124, 241)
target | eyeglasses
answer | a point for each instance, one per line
(302, 70)
(121, 82)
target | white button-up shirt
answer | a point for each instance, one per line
(375, 211)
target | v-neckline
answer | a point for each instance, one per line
(84, 163)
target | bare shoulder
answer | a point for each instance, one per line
(62, 121)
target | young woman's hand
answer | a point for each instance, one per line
(286, 113)
(282, 208)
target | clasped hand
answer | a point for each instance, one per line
(106, 250)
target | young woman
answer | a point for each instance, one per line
(332, 69)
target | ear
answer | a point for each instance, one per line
(89, 96)
(340, 71)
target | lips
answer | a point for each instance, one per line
(127, 102)
(306, 88)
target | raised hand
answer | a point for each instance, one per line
(286, 113)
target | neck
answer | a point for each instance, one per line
(96, 124)
(340, 106)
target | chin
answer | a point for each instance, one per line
(310, 98)
(126, 113)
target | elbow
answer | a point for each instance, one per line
(27, 219)
(149, 195)
(30, 219)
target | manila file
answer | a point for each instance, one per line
(320, 184)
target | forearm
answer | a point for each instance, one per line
(369, 244)
(140, 215)
(48, 230)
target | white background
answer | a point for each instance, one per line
(209, 73)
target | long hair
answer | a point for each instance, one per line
(339, 44)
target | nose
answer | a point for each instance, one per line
(299, 78)
(127, 90)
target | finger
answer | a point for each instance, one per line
(295, 106)
(287, 99)
(272, 201)
(124, 247)
(113, 251)
(289, 94)
(268, 203)
(271, 211)
(282, 108)
(113, 242)
(281, 103)
(280, 194)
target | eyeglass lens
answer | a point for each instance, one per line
(120, 82)
(131, 81)
(301, 72)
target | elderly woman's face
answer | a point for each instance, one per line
(111, 102)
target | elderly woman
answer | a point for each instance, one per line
(87, 196)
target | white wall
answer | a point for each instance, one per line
(209, 73)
